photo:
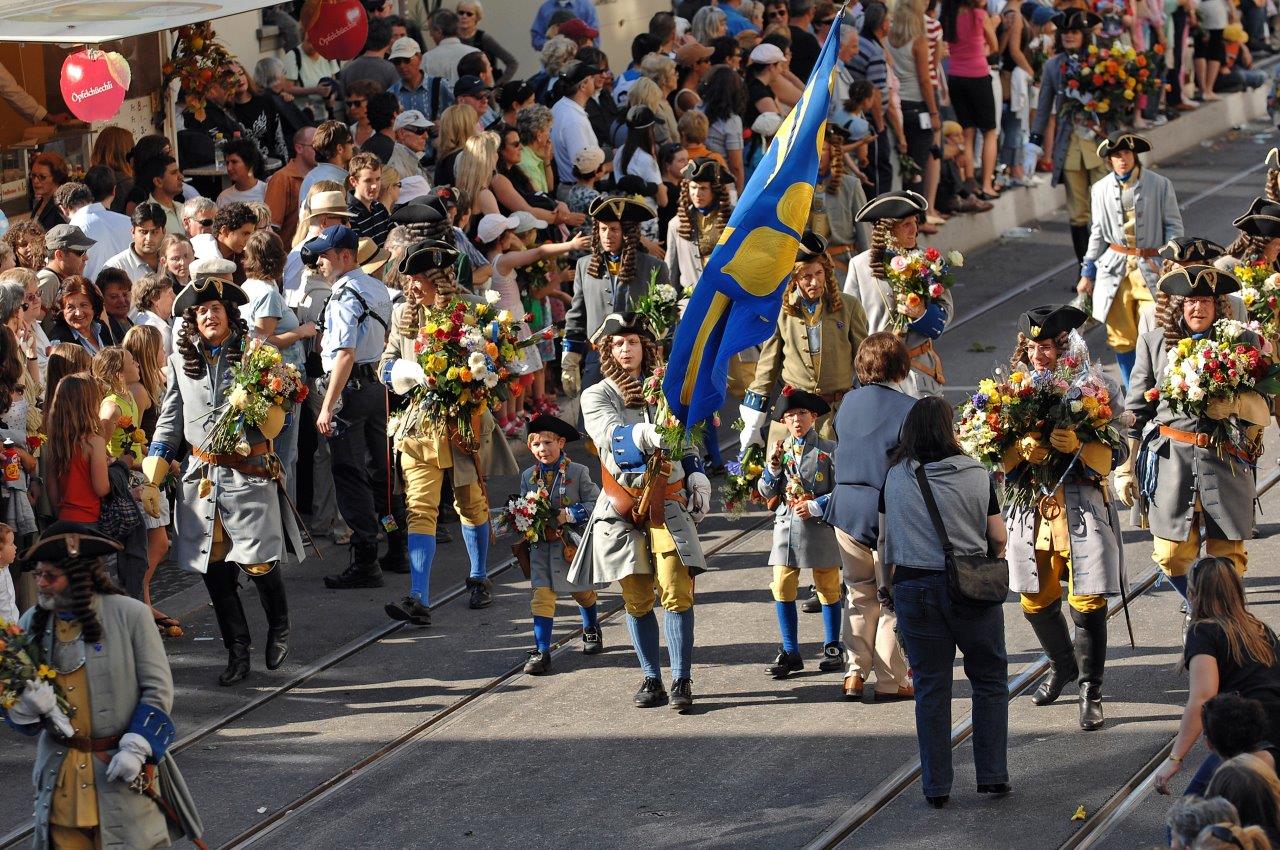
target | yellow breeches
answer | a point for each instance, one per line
(670, 577)
(1132, 297)
(543, 601)
(786, 581)
(1176, 557)
(423, 478)
(73, 837)
(1052, 567)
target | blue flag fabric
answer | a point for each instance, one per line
(735, 303)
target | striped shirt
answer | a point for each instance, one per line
(933, 32)
(372, 221)
(869, 64)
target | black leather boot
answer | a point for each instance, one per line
(1054, 635)
(651, 694)
(410, 610)
(1080, 241)
(1091, 654)
(363, 571)
(222, 582)
(397, 558)
(539, 663)
(276, 606)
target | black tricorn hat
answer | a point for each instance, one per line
(554, 424)
(704, 169)
(894, 205)
(811, 247)
(615, 324)
(1076, 19)
(1261, 219)
(1192, 250)
(1198, 281)
(426, 255)
(619, 209)
(793, 399)
(1123, 140)
(427, 209)
(1046, 322)
(215, 284)
(64, 540)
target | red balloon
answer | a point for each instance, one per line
(94, 83)
(338, 29)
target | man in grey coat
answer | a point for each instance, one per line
(104, 777)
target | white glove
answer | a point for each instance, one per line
(407, 374)
(571, 373)
(699, 487)
(646, 437)
(752, 423)
(37, 700)
(127, 763)
(1034, 149)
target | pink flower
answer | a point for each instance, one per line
(899, 264)
(936, 290)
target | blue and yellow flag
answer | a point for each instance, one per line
(736, 301)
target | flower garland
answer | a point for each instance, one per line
(198, 62)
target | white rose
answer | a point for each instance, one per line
(476, 361)
(956, 259)
(492, 296)
(666, 292)
(504, 316)
(1195, 394)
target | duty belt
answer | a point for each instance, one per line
(240, 463)
(1134, 252)
(1202, 440)
(933, 368)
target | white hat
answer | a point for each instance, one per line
(528, 221)
(211, 266)
(412, 118)
(767, 124)
(493, 225)
(761, 54)
(412, 187)
(405, 48)
(588, 160)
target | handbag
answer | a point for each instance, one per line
(975, 580)
(120, 514)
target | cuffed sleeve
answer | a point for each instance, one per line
(625, 451)
(932, 323)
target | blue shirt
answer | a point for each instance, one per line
(420, 98)
(350, 324)
(583, 10)
(322, 171)
(735, 22)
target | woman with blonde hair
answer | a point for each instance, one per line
(662, 70)
(1251, 786)
(908, 48)
(645, 92)
(470, 14)
(456, 125)
(1230, 836)
(477, 163)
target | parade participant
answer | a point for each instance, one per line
(1258, 242)
(353, 415)
(89, 769)
(425, 456)
(799, 479)
(232, 513)
(1076, 162)
(812, 348)
(642, 536)
(575, 494)
(1045, 549)
(1201, 481)
(1189, 251)
(832, 213)
(896, 217)
(1273, 175)
(607, 280)
(1133, 212)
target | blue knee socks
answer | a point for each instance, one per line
(1125, 361)
(788, 625)
(644, 638)
(542, 632)
(832, 617)
(422, 551)
(1179, 584)
(477, 540)
(679, 629)
(590, 620)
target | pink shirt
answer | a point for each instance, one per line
(969, 50)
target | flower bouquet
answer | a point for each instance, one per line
(198, 62)
(531, 515)
(20, 664)
(740, 490)
(263, 388)
(675, 436)
(1100, 83)
(920, 277)
(1260, 292)
(660, 305)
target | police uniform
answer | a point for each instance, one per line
(571, 489)
(800, 543)
(1071, 537)
(1131, 217)
(356, 319)
(659, 550)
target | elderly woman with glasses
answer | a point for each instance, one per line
(24, 320)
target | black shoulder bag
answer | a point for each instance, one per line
(974, 580)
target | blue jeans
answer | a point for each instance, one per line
(932, 629)
(1200, 781)
(286, 446)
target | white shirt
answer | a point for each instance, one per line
(146, 317)
(112, 231)
(570, 133)
(257, 193)
(205, 247)
(641, 165)
(131, 263)
(442, 60)
(405, 162)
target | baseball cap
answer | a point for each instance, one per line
(469, 86)
(690, 54)
(527, 221)
(333, 237)
(404, 48)
(67, 236)
(516, 91)
(766, 54)
(588, 160)
(767, 124)
(413, 187)
(576, 28)
(412, 118)
(493, 225)
(576, 71)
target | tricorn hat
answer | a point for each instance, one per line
(210, 281)
(1123, 140)
(619, 209)
(894, 205)
(425, 209)
(811, 247)
(545, 422)
(64, 540)
(426, 255)
(1041, 323)
(1077, 19)
(1273, 158)
(616, 324)
(704, 169)
(1261, 219)
(793, 399)
(1198, 281)
(1192, 250)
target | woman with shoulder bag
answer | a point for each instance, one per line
(932, 620)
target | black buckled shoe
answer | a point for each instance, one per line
(409, 610)
(785, 664)
(681, 694)
(812, 605)
(481, 593)
(832, 658)
(277, 646)
(237, 667)
(539, 663)
(592, 641)
(362, 572)
(651, 694)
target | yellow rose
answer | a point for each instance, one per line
(238, 398)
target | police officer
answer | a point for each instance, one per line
(353, 414)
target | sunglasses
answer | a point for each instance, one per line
(417, 131)
(466, 13)
(356, 102)
(204, 222)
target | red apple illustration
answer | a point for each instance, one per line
(337, 28)
(94, 83)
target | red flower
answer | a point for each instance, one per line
(931, 254)
(1151, 394)
(788, 390)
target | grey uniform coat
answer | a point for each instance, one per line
(684, 260)
(1157, 220)
(547, 566)
(1224, 485)
(256, 518)
(1052, 93)
(799, 542)
(596, 297)
(613, 548)
(876, 296)
(129, 667)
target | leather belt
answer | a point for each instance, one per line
(626, 499)
(1134, 252)
(89, 745)
(238, 463)
(1201, 440)
(933, 368)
